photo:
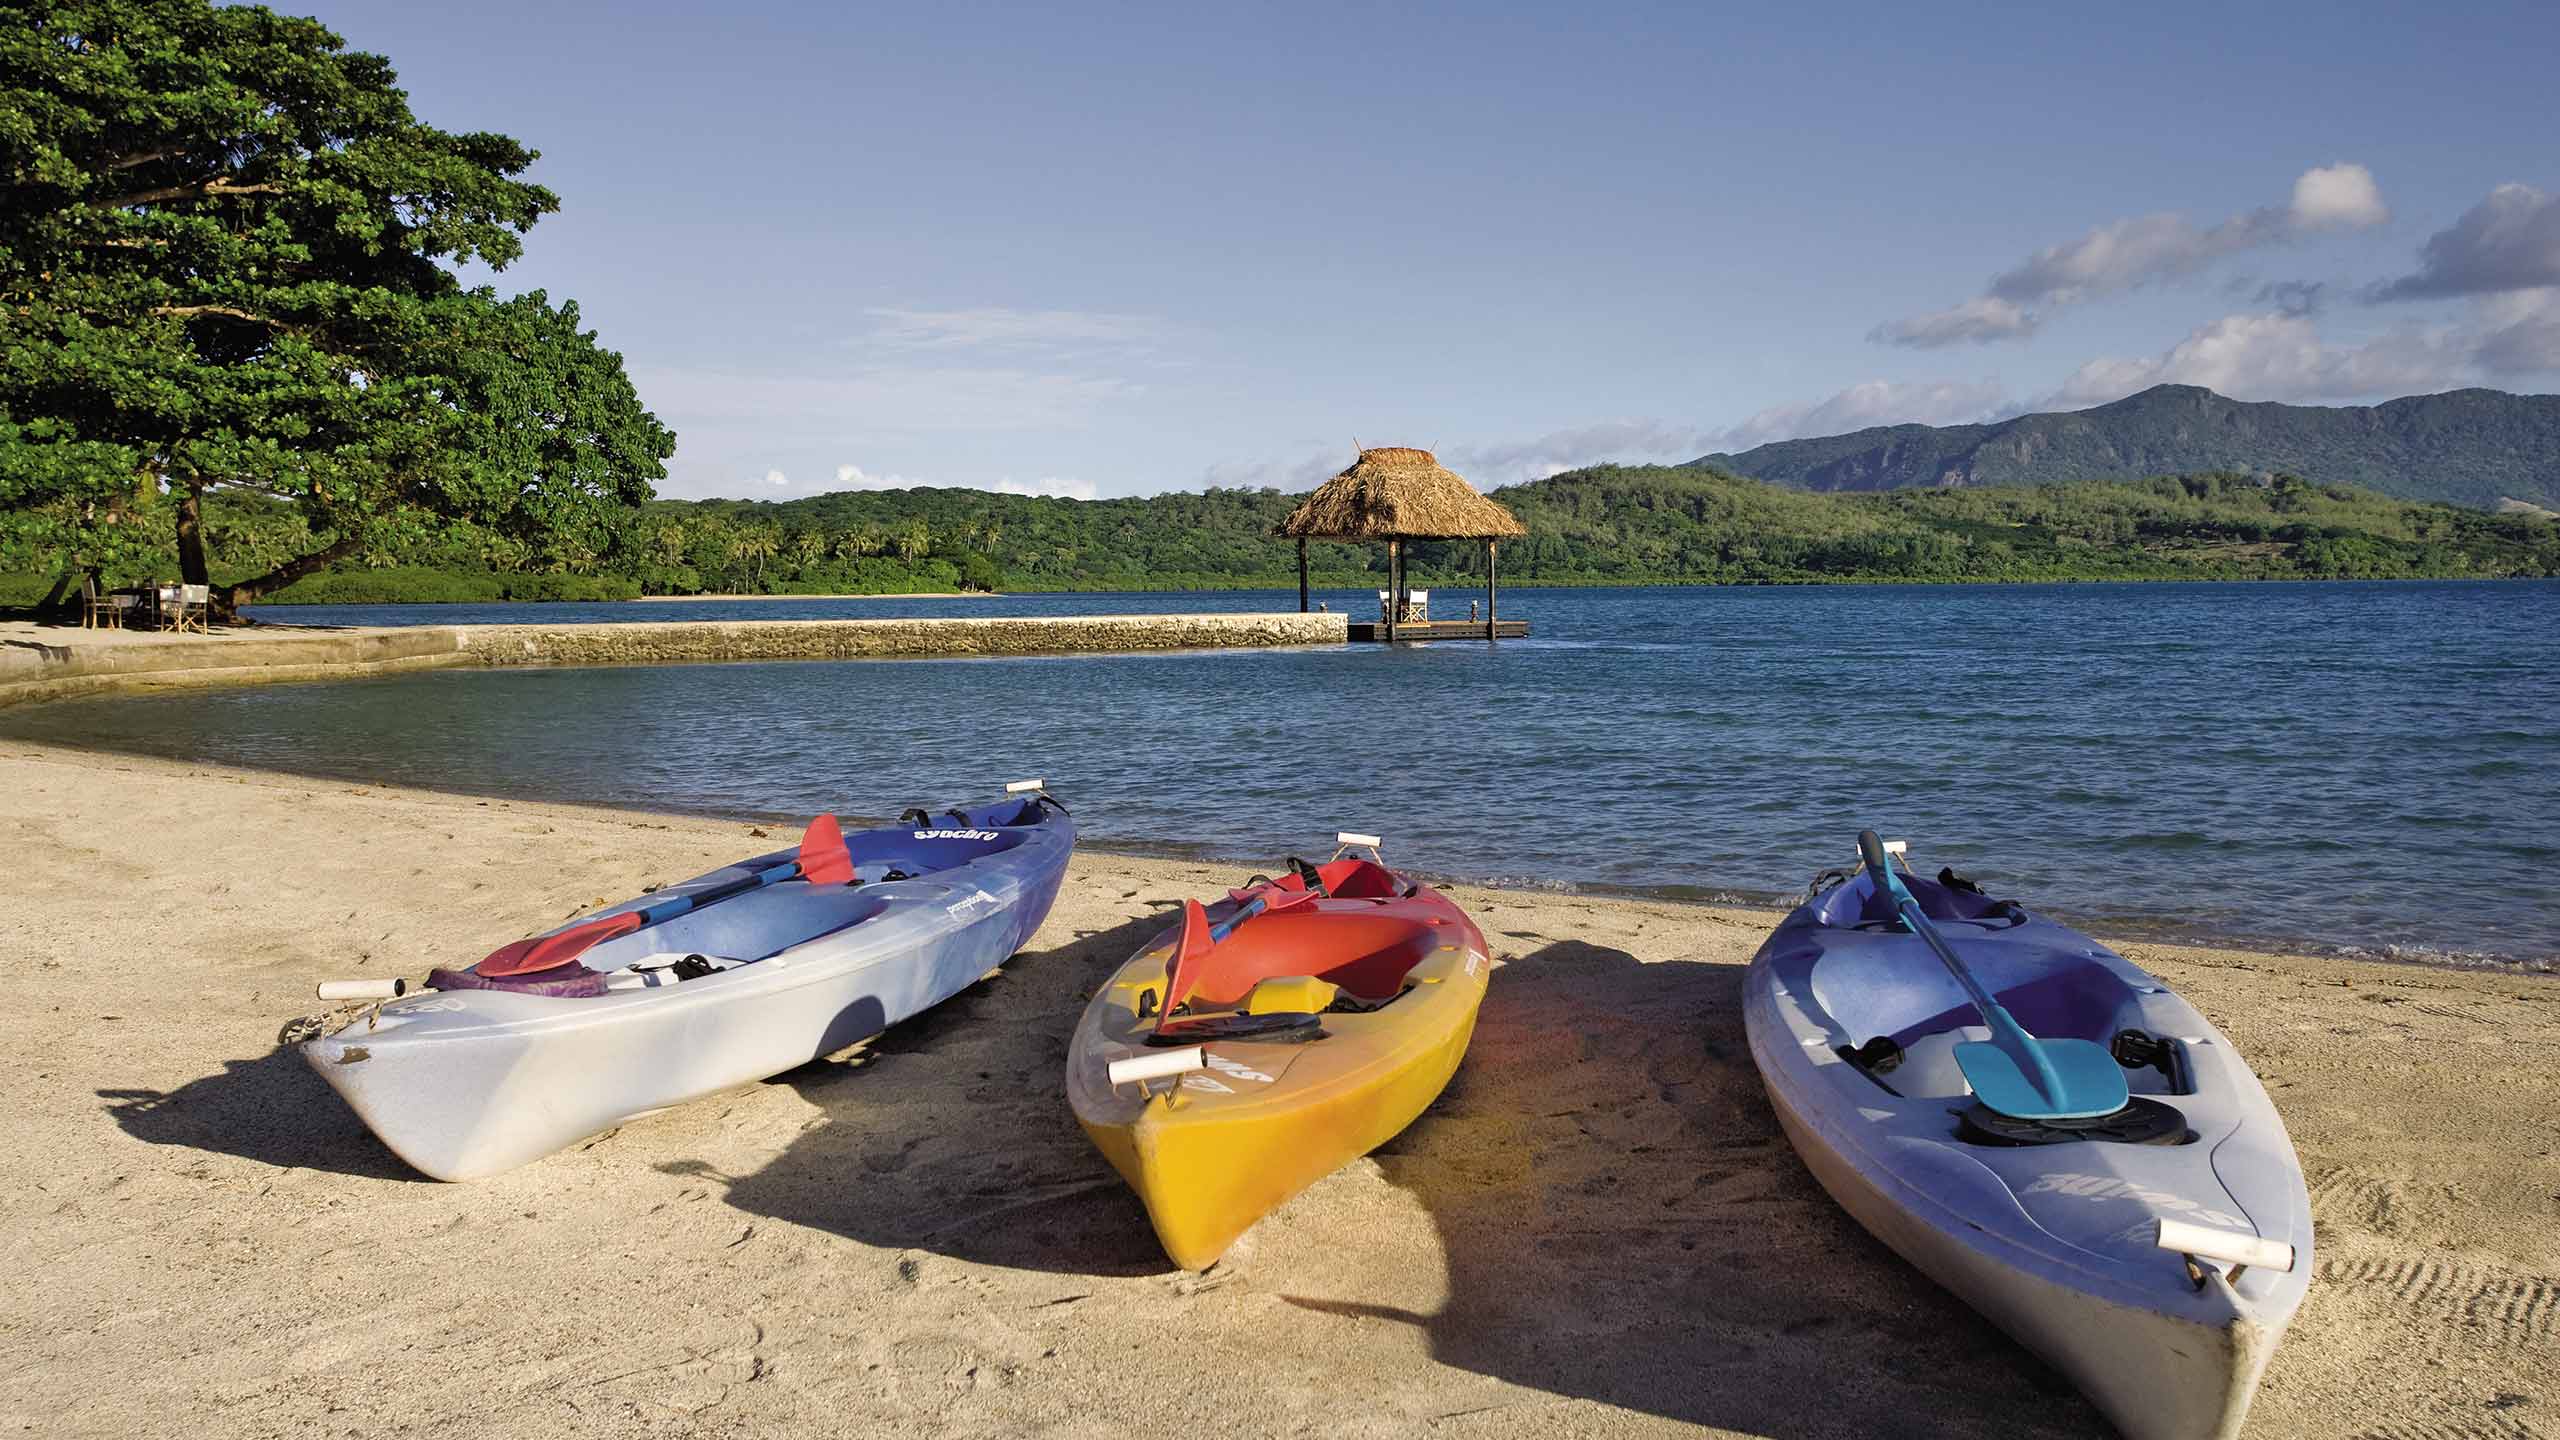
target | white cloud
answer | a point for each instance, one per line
(1049, 486)
(2338, 197)
(1985, 317)
(2520, 333)
(1623, 442)
(2278, 357)
(995, 326)
(1868, 404)
(854, 477)
(777, 479)
(1303, 474)
(2124, 255)
(938, 398)
(2509, 241)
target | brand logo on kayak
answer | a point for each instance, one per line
(2108, 1187)
(974, 903)
(1225, 1066)
(957, 835)
(1197, 1081)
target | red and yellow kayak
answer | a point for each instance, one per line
(1271, 1038)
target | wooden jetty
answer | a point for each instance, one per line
(1395, 493)
(1441, 630)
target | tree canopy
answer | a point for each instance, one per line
(228, 259)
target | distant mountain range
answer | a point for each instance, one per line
(2470, 447)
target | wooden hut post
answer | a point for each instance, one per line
(1302, 574)
(1489, 544)
(1395, 584)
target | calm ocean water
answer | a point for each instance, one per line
(2368, 766)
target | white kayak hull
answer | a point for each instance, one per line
(2052, 1243)
(467, 1083)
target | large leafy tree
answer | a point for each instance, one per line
(227, 256)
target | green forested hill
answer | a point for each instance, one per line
(2472, 447)
(1606, 525)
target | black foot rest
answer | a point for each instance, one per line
(1283, 1027)
(2143, 1121)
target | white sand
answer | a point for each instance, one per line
(1597, 1231)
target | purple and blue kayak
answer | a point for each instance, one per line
(725, 979)
(2153, 1253)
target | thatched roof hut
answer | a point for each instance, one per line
(1395, 493)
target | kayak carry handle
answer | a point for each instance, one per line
(391, 989)
(1157, 1064)
(2203, 1242)
(1018, 786)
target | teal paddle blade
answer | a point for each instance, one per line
(2091, 1081)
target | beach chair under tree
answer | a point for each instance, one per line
(189, 606)
(100, 609)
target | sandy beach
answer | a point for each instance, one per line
(1597, 1231)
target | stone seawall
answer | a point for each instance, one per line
(60, 663)
(54, 663)
(692, 640)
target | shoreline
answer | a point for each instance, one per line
(1718, 899)
(1598, 1228)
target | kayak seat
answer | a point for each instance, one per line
(1362, 880)
(1301, 994)
(922, 849)
(1358, 950)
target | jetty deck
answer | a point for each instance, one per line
(1442, 630)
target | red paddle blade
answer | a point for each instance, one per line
(549, 952)
(824, 860)
(1190, 957)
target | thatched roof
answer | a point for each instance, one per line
(1393, 491)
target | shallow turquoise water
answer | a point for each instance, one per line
(2373, 766)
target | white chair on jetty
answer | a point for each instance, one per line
(1417, 607)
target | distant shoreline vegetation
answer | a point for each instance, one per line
(1608, 525)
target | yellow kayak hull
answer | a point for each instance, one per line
(1212, 1151)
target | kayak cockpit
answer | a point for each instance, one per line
(1898, 1015)
(1362, 950)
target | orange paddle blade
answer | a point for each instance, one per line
(549, 952)
(824, 859)
(1190, 957)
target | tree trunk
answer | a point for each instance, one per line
(191, 534)
(228, 600)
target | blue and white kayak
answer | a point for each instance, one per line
(2154, 1253)
(725, 979)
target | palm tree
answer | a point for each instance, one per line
(755, 545)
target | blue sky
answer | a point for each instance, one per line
(1137, 249)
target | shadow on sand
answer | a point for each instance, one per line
(1624, 1222)
(270, 1109)
(949, 1132)
(1620, 1218)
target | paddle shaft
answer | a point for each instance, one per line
(2005, 1029)
(1227, 927)
(673, 906)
